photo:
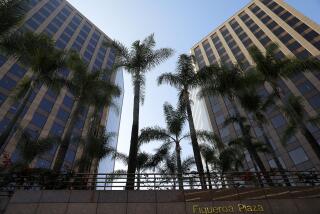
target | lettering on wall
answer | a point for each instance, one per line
(244, 208)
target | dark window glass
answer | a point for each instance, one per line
(298, 155)
(56, 130)
(3, 124)
(2, 98)
(17, 70)
(70, 156)
(68, 101)
(42, 163)
(286, 38)
(305, 87)
(63, 115)
(311, 35)
(2, 60)
(46, 105)
(278, 31)
(301, 28)
(60, 44)
(278, 121)
(294, 46)
(315, 101)
(285, 15)
(7, 83)
(38, 120)
(293, 21)
(32, 24)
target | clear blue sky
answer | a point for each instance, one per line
(178, 24)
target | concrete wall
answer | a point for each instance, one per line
(268, 200)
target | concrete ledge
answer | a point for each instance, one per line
(55, 196)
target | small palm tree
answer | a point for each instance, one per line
(297, 120)
(88, 89)
(272, 69)
(28, 149)
(172, 135)
(229, 80)
(37, 52)
(11, 14)
(185, 79)
(138, 61)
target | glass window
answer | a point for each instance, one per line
(298, 156)
(17, 70)
(42, 163)
(46, 105)
(2, 98)
(278, 121)
(63, 115)
(70, 156)
(315, 101)
(61, 44)
(3, 124)
(220, 119)
(32, 24)
(273, 164)
(2, 60)
(56, 130)
(7, 83)
(224, 132)
(305, 87)
(38, 120)
(68, 101)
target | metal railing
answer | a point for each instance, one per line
(156, 181)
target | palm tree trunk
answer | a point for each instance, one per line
(274, 156)
(252, 151)
(311, 140)
(195, 145)
(5, 135)
(134, 139)
(179, 166)
(208, 175)
(66, 139)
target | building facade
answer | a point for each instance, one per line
(47, 112)
(260, 23)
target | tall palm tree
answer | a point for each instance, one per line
(39, 54)
(185, 79)
(272, 69)
(11, 14)
(88, 89)
(141, 58)
(257, 106)
(172, 135)
(227, 80)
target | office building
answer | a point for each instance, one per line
(260, 23)
(47, 113)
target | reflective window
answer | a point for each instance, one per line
(63, 115)
(315, 101)
(298, 156)
(46, 105)
(224, 132)
(56, 130)
(2, 60)
(278, 121)
(42, 163)
(7, 83)
(220, 119)
(305, 87)
(70, 156)
(38, 120)
(68, 101)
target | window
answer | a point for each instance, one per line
(38, 120)
(63, 115)
(305, 87)
(46, 105)
(224, 132)
(42, 163)
(2, 60)
(3, 124)
(315, 101)
(220, 119)
(17, 70)
(298, 156)
(70, 156)
(7, 83)
(2, 98)
(68, 102)
(56, 130)
(278, 121)
(273, 164)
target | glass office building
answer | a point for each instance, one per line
(47, 113)
(260, 23)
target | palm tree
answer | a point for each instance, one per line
(257, 106)
(297, 120)
(29, 149)
(88, 89)
(138, 61)
(228, 80)
(185, 79)
(11, 14)
(272, 69)
(172, 135)
(169, 167)
(37, 52)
